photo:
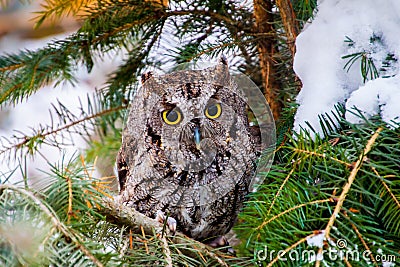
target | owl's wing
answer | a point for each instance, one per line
(122, 168)
(255, 135)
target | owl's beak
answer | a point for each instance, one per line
(197, 137)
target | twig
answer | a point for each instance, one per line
(122, 215)
(12, 67)
(347, 186)
(292, 209)
(43, 134)
(280, 255)
(312, 153)
(215, 257)
(54, 220)
(280, 189)
(70, 195)
(166, 250)
(362, 240)
(386, 186)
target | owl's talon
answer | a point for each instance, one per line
(171, 222)
(220, 242)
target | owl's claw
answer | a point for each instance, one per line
(171, 222)
(220, 242)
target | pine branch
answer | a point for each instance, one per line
(119, 214)
(315, 154)
(23, 74)
(286, 250)
(319, 201)
(278, 192)
(359, 235)
(312, 170)
(56, 222)
(389, 191)
(56, 9)
(289, 23)
(347, 186)
(43, 134)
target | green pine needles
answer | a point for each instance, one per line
(60, 221)
(343, 189)
(332, 201)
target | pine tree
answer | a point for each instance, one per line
(340, 188)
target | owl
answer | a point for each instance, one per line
(189, 151)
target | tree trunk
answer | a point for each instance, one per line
(266, 49)
(289, 23)
(267, 45)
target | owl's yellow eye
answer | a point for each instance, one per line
(213, 111)
(172, 117)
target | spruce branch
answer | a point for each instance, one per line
(322, 155)
(42, 135)
(278, 192)
(55, 221)
(23, 74)
(319, 201)
(214, 49)
(359, 235)
(56, 9)
(347, 187)
(294, 245)
(389, 191)
(119, 214)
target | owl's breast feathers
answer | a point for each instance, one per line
(197, 221)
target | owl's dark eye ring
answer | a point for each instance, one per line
(172, 117)
(213, 111)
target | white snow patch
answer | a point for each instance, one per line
(379, 96)
(316, 240)
(320, 66)
(388, 264)
(34, 112)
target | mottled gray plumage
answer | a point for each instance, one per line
(198, 170)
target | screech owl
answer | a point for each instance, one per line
(188, 150)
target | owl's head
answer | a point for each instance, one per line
(196, 116)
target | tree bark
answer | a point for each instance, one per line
(289, 23)
(137, 222)
(266, 48)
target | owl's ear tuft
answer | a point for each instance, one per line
(221, 76)
(146, 76)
